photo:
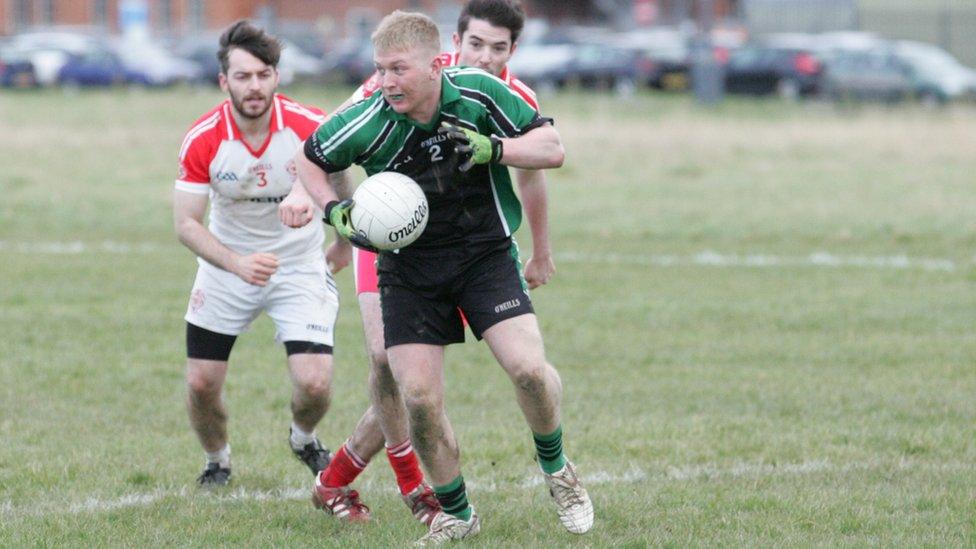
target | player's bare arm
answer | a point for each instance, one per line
(540, 267)
(538, 149)
(301, 207)
(293, 209)
(338, 254)
(188, 212)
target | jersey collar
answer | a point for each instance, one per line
(234, 132)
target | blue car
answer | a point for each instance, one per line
(98, 67)
(16, 71)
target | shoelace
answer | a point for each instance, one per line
(567, 491)
(425, 499)
(351, 498)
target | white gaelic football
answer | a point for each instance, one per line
(390, 210)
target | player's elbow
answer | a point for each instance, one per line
(557, 156)
(183, 227)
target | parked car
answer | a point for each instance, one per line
(47, 61)
(896, 71)
(351, 62)
(154, 65)
(100, 67)
(937, 76)
(48, 50)
(787, 66)
(867, 75)
(595, 65)
(16, 70)
(666, 53)
(543, 66)
(202, 50)
(295, 64)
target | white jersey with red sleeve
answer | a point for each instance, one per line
(450, 60)
(245, 185)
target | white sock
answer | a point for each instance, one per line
(221, 456)
(299, 438)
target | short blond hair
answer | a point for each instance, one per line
(403, 30)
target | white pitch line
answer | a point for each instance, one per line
(687, 473)
(705, 258)
(714, 259)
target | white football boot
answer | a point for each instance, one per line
(447, 527)
(573, 504)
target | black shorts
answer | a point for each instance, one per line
(422, 295)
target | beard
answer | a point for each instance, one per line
(239, 105)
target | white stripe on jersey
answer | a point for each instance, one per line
(467, 70)
(516, 83)
(351, 128)
(402, 145)
(192, 188)
(490, 99)
(498, 206)
(230, 127)
(195, 131)
(302, 111)
(278, 116)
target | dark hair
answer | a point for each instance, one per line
(499, 13)
(251, 39)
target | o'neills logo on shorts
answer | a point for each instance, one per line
(418, 215)
(510, 304)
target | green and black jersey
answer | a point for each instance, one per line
(466, 209)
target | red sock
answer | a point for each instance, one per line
(343, 469)
(405, 466)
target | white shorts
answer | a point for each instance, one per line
(302, 301)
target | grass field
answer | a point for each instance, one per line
(764, 318)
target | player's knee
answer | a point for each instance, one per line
(382, 382)
(425, 431)
(530, 376)
(422, 403)
(378, 357)
(202, 385)
(315, 387)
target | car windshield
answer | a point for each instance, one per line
(930, 60)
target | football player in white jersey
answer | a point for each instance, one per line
(238, 157)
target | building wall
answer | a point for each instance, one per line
(184, 16)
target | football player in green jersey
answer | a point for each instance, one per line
(454, 131)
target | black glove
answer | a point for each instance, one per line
(473, 147)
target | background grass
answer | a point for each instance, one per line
(785, 404)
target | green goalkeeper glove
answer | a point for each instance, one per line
(337, 215)
(473, 147)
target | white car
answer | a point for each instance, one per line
(938, 76)
(157, 65)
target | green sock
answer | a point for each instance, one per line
(550, 450)
(454, 498)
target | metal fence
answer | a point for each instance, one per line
(766, 16)
(953, 29)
